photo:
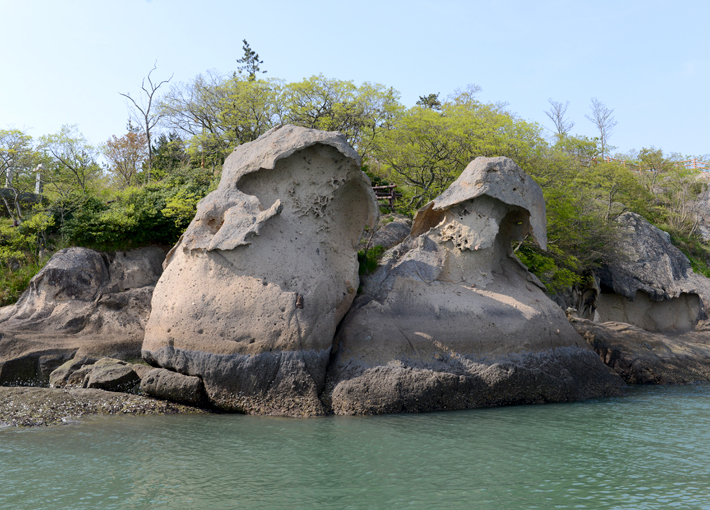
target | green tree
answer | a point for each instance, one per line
(430, 101)
(216, 114)
(612, 184)
(426, 149)
(18, 169)
(250, 62)
(169, 155)
(362, 113)
(70, 162)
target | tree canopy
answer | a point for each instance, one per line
(143, 186)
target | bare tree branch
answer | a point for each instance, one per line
(143, 111)
(557, 116)
(603, 118)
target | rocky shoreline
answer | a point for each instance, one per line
(26, 406)
(261, 307)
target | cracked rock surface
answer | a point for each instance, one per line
(651, 285)
(644, 357)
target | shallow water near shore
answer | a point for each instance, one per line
(649, 449)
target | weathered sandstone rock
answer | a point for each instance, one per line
(703, 207)
(651, 285)
(452, 320)
(252, 294)
(83, 303)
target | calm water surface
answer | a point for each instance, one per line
(649, 449)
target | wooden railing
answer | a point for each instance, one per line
(388, 193)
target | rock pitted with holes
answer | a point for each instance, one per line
(452, 320)
(252, 294)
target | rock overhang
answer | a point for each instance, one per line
(265, 272)
(498, 178)
(230, 216)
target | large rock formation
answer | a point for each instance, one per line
(452, 319)
(83, 303)
(252, 294)
(651, 284)
(649, 310)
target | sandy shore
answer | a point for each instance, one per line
(32, 406)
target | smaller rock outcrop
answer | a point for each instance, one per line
(72, 373)
(651, 284)
(643, 357)
(392, 230)
(169, 385)
(702, 208)
(82, 303)
(106, 374)
(112, 375)
(452, 320)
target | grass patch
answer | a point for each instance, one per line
(696, 250)
(368, 259)
(13, 282)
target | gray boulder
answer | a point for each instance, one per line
(169, 385)
(112, 375)
(391, 233)
(252, 294)
(452, 320)
(70, 374)
(82, 303)
(651, 284)
(106, 373)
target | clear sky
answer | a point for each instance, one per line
(65, 61)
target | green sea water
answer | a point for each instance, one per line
(649, 449)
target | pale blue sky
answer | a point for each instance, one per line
(64, 61)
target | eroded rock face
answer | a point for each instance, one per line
(643, 357)
(452, 320)
(651, 285)
(82, 302)
(252, 294)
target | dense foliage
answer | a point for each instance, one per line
(147, 187)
